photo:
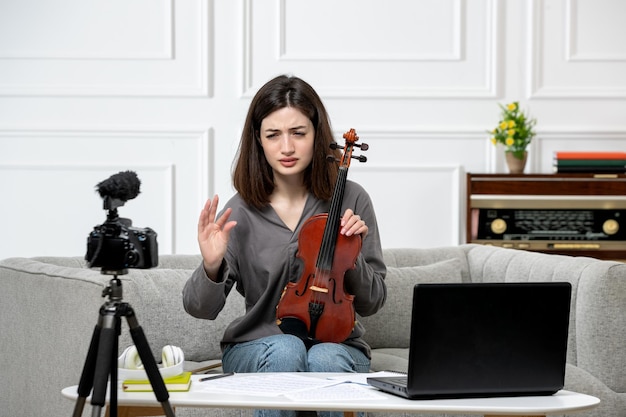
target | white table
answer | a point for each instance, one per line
(560, 403)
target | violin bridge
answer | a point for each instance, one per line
(318, 289)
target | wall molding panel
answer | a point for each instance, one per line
(50, 184)
(416, 172)
(569, 65)
(595, 42)
(400, 190)
(170, 58)
(369, 51)
(104, 35)
(173, 188)
(463, 63)
(391, 145)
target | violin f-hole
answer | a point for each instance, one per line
(305, 287)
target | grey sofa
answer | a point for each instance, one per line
(49, 307)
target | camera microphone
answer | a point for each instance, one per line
(122, 186)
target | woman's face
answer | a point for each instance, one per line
(287, 137)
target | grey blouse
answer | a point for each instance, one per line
(261, 259)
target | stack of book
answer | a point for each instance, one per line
(175, 383)
(610, 162)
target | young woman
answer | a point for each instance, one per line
(282, 177)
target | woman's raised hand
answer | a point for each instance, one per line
(213, 236)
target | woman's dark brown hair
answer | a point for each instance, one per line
(252, 176)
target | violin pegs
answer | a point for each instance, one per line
(360, 158)
(363, 146)
(331, 158)
(334, 145)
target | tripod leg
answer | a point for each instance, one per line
(143, 348)
(108, 335)
(113, 380)
(86, 378)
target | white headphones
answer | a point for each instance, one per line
(170, 355)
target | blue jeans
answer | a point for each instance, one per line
(287, 353)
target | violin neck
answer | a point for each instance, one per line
(329, 240)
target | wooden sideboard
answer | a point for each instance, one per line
(570, 214)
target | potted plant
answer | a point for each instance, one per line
(515, 132)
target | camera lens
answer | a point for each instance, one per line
(132, 257)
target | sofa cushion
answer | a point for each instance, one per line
(392, 324)
(156, 296)
(390, 359)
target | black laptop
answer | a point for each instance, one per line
(485, 340)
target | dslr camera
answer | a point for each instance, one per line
(115, 245)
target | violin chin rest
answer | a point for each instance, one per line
(296, 327)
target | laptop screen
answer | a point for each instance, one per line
(488, 339)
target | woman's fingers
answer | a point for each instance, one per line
(352, 224)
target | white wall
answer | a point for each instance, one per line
(161, 87)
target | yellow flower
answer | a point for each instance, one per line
(514, 129)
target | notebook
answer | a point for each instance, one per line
(485, 340)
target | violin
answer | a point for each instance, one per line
(317, 307)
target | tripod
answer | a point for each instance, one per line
(101, 358)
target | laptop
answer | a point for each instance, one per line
(485, 340)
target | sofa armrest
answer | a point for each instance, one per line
(601, 324)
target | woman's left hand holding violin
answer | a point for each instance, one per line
(352, 224)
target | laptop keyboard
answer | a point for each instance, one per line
(399, 380)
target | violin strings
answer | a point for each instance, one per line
(329, 240)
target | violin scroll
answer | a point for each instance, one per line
(351, 138)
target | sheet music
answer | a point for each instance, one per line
(296, 385)
(344, 391)
(361, 378)
(267, 384)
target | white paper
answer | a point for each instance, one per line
(361, 378)
(298, 386)
(266, 384)
(341, 392)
